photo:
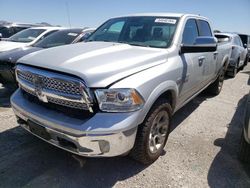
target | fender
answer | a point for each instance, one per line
(156, 93)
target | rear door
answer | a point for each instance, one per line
(193, 64)
(210, 68)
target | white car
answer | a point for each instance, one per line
(239, 52)
(27, 37)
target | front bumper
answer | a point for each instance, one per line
(104, 134)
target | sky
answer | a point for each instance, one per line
(225, 15)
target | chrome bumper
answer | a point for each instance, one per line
(84, 142)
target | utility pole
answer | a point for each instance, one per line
(68, 14)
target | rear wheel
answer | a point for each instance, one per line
(153, 133)
(216, 87)
(240, 68)
(234, 72)
(235, 69)
(246, 61)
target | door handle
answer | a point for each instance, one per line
(215, 54)
(201, 60)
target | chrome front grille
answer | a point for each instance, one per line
(61, 86)
(51, 83)
(54, 88)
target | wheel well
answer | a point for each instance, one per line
(226, 62)
(170, 96)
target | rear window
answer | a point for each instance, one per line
(223, 38)
(204, 28)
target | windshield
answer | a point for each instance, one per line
(58, 38)
(26, 35)
(140, 31)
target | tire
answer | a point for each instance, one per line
(240, 68)
(216, 87)
(246, 61)
(244, 154)
(235, 70)
(148, 144)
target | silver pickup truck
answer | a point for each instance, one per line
(116, 93)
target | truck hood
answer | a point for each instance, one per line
(99, 64)
(13, 55)
(7, 45)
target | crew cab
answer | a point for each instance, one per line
(27, 37)
(116, 93)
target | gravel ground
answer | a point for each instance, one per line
(201, 151)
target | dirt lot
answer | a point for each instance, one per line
(201, 151)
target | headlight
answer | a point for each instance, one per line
(119, 100)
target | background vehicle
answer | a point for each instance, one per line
(238, 55)
(245, 136)
(246, 43)
(117, 92)
(9, 58)
(9, 29)
(27, 37)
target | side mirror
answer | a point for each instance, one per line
(201, 44)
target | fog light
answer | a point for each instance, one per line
(104, 146)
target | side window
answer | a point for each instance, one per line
(204, 28)
(190, 32)
(6, 32)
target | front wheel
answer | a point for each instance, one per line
(152, 135)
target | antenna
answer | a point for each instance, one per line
(68, 13)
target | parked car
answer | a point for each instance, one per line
(116, 93)
(238, 55)
(9, 58)
(245, 136)
(9, 29)
(27, 37)
(246, 43)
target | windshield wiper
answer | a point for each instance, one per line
(132, 44)
(98, 41)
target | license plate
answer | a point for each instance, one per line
(38, 130)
